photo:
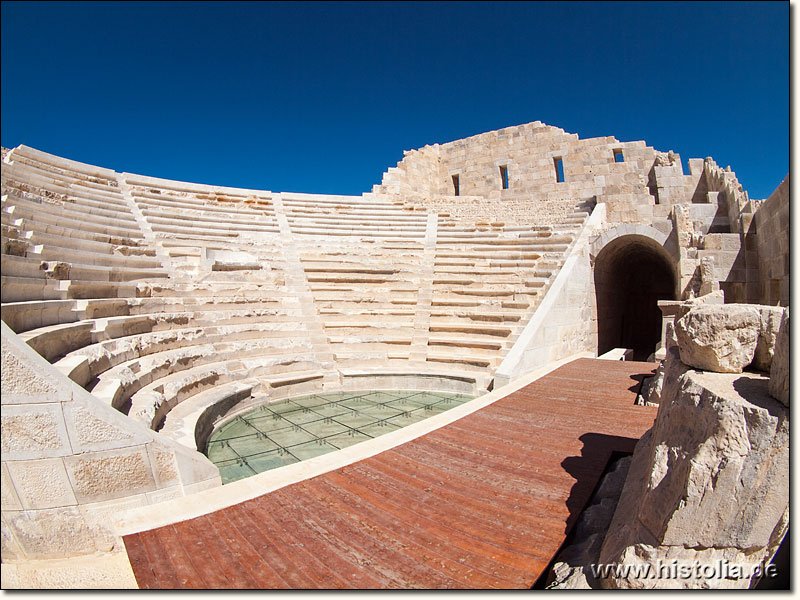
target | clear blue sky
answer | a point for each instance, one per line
(324, 97)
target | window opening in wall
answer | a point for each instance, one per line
(618, 156)
(456, 187)
(559, 165)
(504, 177)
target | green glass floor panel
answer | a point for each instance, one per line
(218, 453)
(380, 412)
(436, 409)
(403, 405)
(283, 406)
(271, 460)
(311, 449)
(237, 428)
(290, 437)
(303, 416)
(356, 403)
(235, 472)
(346, 440)
(383, 397)
(325, 428)
(378, 429)
(253, 445)
(408, 418)
(332, 410)
(284, 432)
(356, 421)
(311, 401)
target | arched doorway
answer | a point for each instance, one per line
(631, 274)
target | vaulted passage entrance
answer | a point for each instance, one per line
(631, 274)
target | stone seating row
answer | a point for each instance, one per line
(75, 208)
(63, 184)
(165, 199)
(66, 220)
(25, 316)
(21, 289)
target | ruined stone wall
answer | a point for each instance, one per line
(772, 226)
(528, 153)
(70, 462)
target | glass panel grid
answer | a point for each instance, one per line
(282, 433)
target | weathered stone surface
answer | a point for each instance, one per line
(33, 431)
(55, 269)
(104, 572)
(727, 338)
(41, 483)
(713, 473)
(106, 476)
(50, 533)
(164, 466)
(779, 372)
(713, 298)
(8, 495)
(722, 339)
(720, 465)
(767, 334)
(92, 431)
(18, 378)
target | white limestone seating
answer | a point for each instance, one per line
(161, 296)
(67, 232)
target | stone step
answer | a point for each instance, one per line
(92, 247)
(22, 208)
(74, 206)
(83, 257)
(48, 218)
(166, 202)
(24, 316)
(22, 289)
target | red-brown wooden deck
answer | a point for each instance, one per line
(484, 502)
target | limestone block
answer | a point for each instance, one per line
(50, 533)
(91, 430)
(164, 466)
(727, 338)
(41, 483)
(109, 475)
(722, 339)
(19, 379)
(33, 431)
(100, 516)
(8, 495)
(9, 546)
(779, 373)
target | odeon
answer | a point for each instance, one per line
(140, 313)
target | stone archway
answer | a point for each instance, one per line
(632, 272)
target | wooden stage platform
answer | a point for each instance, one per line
(484, 502)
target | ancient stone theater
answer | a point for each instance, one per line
(524, 359)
